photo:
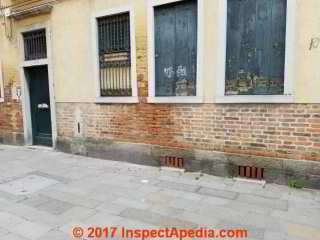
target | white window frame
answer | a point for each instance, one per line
(151, 57)
(130, 99)
(288, 95)
(1, 83)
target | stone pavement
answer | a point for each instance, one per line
(43, 194)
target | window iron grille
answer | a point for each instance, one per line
(35, 45)
(115, 55)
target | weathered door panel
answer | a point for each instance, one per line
(255, 47)
(165, 46)
(176, 49)
(186, 51)
(278, 39)
(263, 47)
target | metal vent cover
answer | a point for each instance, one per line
(172, 161)
(251, 172)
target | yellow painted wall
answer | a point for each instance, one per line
(307, 61)
(10, 48)
(72, 51)
(72, 38)
(70, 22)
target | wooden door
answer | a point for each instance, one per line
(40, 105)
(256, 34)
(176, 49)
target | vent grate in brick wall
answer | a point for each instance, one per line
(251, 172)
(172, 161)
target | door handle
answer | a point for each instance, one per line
(43, 106)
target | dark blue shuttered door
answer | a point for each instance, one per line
(176, 49)
(40, 104)
(255, 47)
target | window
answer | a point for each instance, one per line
(115, 55)
(175, 51)
(35, 46)
(256, 47)
(1, 84)
(175, 33)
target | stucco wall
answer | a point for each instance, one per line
(307, 61)
(72, 39)
(73, 54)
(72, 45)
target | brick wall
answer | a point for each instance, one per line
(272, 130)
(142, 66)
(11, 119)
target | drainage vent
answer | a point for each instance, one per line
(171, 161)
(251, 172)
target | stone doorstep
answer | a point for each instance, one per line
(172, 169)
(38, 147)
(253, 181)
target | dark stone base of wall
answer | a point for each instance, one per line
(277, 170)
(11, 138)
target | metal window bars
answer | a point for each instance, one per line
(115, 55)
(35, 45)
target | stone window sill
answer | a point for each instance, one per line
(256, 99)
(117, 100)
(175, 100)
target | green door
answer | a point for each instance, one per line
(40, 105)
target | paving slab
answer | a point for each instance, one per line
(72, 198)
(140, 204)
(185, 204)
(55, 206)
(31, 230)
(159, 198)
(213, 201)
(272, 235)
(312, 220)
(156, 219)
(303, 231)
(8, 220)
(177, 186)
(165, 210)
(218, 193)
(34, 200)
(203, 221)
(46, 193)
(11, 197)
(55, 235)
(12, 236)
(3, 232)
(111, 208)
(182, 194)
(253, 232)
(264, 201)
(27, 185)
